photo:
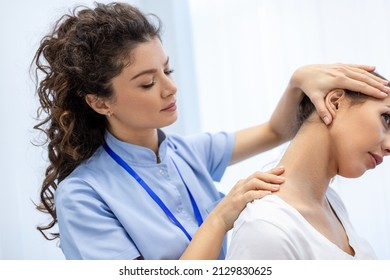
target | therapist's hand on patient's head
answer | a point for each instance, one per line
(325, 77)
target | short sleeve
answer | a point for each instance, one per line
(88, 229)
(261, 240)
(215, 150)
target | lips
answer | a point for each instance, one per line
(170, 107)
(378, 159)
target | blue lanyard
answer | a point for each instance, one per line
(153, 195)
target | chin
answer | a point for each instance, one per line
(352, 174)
(168, 123)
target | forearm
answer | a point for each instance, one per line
(206, 244)
(283, 121)
(280, 128)
(254, 140)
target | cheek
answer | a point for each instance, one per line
(345, 158)
(353, 156)
(129, 110)
(352, 168)
(132, 105)
(349, 151)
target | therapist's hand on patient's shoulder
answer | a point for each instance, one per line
(256, 186)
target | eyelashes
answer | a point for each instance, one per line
(147, 86)
(151, 84)
(169, 72)
(386, 118)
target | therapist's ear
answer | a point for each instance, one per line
(334, 100)
(99, 105)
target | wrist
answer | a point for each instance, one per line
(294, 92)
(297, 78)
(215, 221)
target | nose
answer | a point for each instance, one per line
(169, 87)
(386, 145)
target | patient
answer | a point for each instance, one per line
(306, 219)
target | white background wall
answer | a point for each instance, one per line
(231, 68)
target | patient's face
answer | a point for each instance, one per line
(361, 135)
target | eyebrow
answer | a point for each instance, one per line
(149, 71)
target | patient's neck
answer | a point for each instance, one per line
(309, 165)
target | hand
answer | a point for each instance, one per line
(317, 80)
(256, 186)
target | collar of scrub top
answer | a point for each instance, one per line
(139, 155)
(153, 195)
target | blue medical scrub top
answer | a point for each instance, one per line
(103, 212)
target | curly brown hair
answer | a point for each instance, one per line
(86, 49)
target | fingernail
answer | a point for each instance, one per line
(280, 167)
(383, 94)
(280, 179)
(326, 120)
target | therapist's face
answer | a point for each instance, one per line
(361, 135)
(144, 92)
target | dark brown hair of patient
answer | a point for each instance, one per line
(86, 49)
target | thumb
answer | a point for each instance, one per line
(322, 111)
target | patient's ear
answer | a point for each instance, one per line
(99, 105)
(334, 100)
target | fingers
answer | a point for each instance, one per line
(356, 78)
(322, 111)
(255, 184)
(277, 170)
(267, 177)
(253, 195)
(246, 191)
(368, 68)
(262, 181)
(250, 189)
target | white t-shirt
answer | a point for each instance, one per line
(271, 229)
